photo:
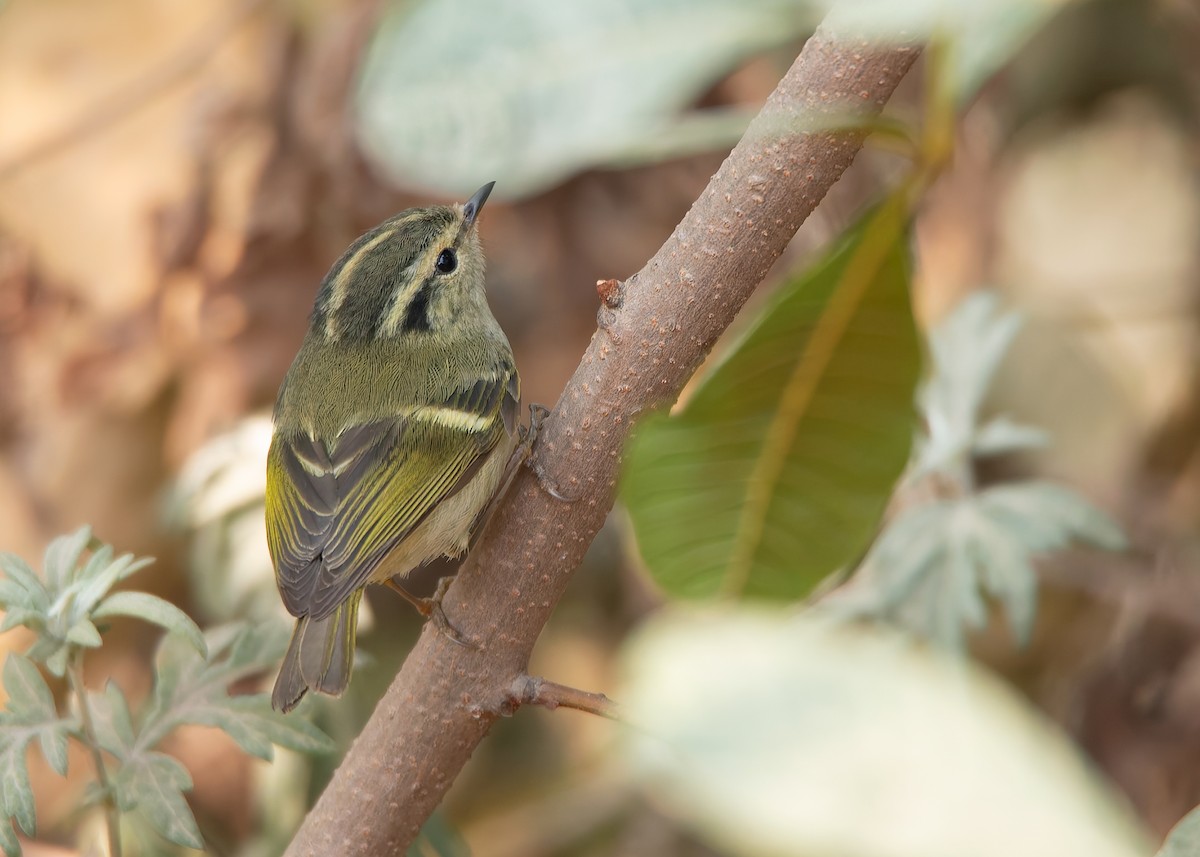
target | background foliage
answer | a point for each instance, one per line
(176, 178)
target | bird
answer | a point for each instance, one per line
(393, 430)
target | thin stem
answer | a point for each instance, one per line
(111, 813)
(529, 690)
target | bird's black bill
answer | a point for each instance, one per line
(474, 205)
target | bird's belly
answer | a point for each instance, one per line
(447, 529)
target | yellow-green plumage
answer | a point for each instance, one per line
(392, 431)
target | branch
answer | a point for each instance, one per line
(529, 690)
(653, 333)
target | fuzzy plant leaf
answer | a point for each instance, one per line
(156, 611)
(936, 563)
(1184, 838)
(967, 349)
(193, 689)
(59, 605)
(153, 784)
(531, 91)
(776, 470)
(29, 715)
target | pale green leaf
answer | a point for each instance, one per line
(29, 591)
(192, 689)
(83, 633)
(113, 721)
(775, 734)
(982, 36)
(102, 573)
(151, 608)
(934, 562)
(62, 558)
(454, 93)
(1046, 516)
(29, 715)
(1001, 435)
(776, 470)
(30, 618)
(966, 348)
(8, 839)
(1184, 838)
(153, 784)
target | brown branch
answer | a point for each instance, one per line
(652, 335)
(530, 690)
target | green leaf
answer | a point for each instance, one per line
(776, 734)
(967, 348)
(776, 471)
(8, 839)
(84, 633)
(30, 715)
(22, 588)
(113, 721)
(151, 608)
(454, 93)
(192, 689)
(101, 574)
(1184, 838)
(153, 784)
(934, 562)
(62, 558)
(438, 838)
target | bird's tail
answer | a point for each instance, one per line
(318, 657)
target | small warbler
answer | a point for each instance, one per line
(393, 431)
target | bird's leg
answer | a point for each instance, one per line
(431, 608)
(537, 415)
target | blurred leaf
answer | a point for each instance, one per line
(776, 470)
(1002, 435)
(21, 588)
(982, 35)
(933, 564)
(8, 840)
(1184, 838)
(190, 688)
(454, 93)
(59, 606)
(62, 558)
(438, 839)
(782, 735)
(154, 783)
(967, 348)
(152, 609)
(29, 715)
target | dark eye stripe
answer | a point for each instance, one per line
(416, 317)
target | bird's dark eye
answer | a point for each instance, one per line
(446, 261)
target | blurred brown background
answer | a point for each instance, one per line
(175, 179)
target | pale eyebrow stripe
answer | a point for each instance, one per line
(399, 309)
(341, 283)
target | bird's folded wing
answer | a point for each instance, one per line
(335, 511)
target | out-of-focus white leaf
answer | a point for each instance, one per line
(784, 735)
(455, 93)
(218, 502)
(933, 563)
(1184, 838)
(1002, 435)
(981, 35)
(967, 348)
